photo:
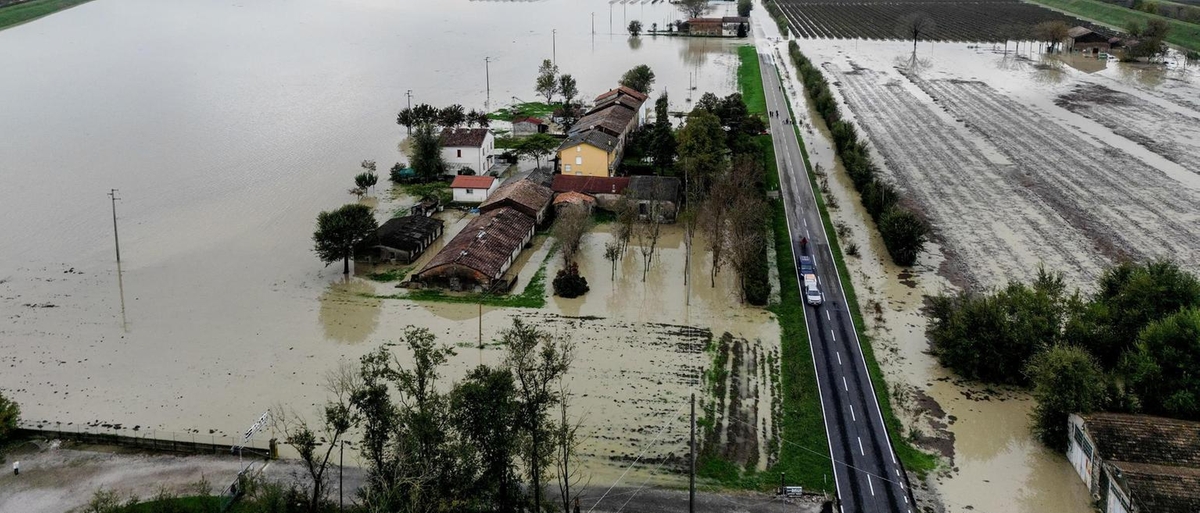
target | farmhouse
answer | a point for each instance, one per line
(1083, 39)
(473, 189)
(523, 196)
(590, 153)
(472, 148)
(655, 195)
(595, 143)
(403, 239)
(606, 190)
(729, 26)
(1137, 463)
(529, 126)
(481, 253)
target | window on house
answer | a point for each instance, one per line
(642, 210)
(568, 168)
(578, 161)
(579, 148)
(470, 191)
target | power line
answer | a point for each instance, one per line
(661, 431)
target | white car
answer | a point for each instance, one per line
(812, 295)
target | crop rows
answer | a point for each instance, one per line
(1127, 208)
(1170, 134)
(954, 20)
(991, 225)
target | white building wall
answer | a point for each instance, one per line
(1115, 501)
(480, 159)
(474, 195)
(1081, 455)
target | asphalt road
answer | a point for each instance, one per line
(869, 478)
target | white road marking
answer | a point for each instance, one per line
(897, 472)
(906, 499)
(894, 462)
(844, 385)
(839, 354)
(827, 316)
(853, 417)
(806, 223)
(871, 485)
(860, 447)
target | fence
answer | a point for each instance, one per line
(159, 441)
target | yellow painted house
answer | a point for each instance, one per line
(589, 153)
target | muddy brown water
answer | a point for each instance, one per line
(227, 128)
(995, 465)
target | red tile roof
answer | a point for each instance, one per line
(523, 195)
(485, 244)
(1162, 488)
(472, 182)
(1145, 438)
(590, 184)
(573, 197)
(463, 137)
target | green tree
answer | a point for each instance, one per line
(744, 7)
(339, 233)
(427, 160)
(639, 78)
(635, 28)
(537, 361)
(537, 146)
(693, 8)
(1066, 380)
(367, 178)
(10, 417)
(662, 138)
(484, 410)
(1162, 369)
(547, 81)
(701, 147)
(452, 116)
(316, 445)
(568, 88)
(904, 234)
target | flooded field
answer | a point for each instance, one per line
(1005, 195)
(227, 128)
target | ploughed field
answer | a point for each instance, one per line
(953, 20)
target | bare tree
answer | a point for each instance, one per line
(627, 215)
(747, 233)
(714, 216)
(572, 225)
(566, 463)
(316, 444)
(915, 26)
(1051, 32)
(693, 8)
(612, 253)
(538, 361)
(652, 211)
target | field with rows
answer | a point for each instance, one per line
(954, 20)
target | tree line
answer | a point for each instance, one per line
(1132, 345)
(904, 232)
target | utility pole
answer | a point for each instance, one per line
(554, 47)
(593, 23)
(487, 79)
(692, 462)
(116, 239)
(409, 95)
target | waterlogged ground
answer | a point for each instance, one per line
(227, 128)
(1010, 180)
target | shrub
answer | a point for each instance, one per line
(904, 235)
(10, 414)
(1066, 380)
(878, 197)
(568, 283)
(756, 285)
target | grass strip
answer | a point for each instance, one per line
(749, 78)
(1182, 33)
(540, 110)
(914, 459)
(389, 275)
(28, 11)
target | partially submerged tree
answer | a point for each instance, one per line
(635, 28)
(1051, 32)
(612, 253)
(572, 225)
(427, 160)
(693, 8)
(547, 81)
(744, 7)
(640, 78)
(915, 26)
(316, 445)
(367, 178)
(10, 417)
(341, 231)
(1066, 379)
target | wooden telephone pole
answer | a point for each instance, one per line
(692, 462)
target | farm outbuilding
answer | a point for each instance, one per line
(573, 199)
(481, 253)
(655, 194)
(1137, 463)
(606, 190)
(529, 126)
(473, 189)
(403, 239)
(523, 196)
(1083, 39)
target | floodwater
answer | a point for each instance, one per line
(227, 127)
(993, 464)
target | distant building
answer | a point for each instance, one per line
(529, 126)
(655, 194)
(524, 196)
(481, 253)
(728, 26)
(403, 239)
(473, 189)
(596, 142)
(468, 147)
(426, 207)
(589, 153)
(573, 199)
(606, 190)
(1083, 39)
(1137, 463)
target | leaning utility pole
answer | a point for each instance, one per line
(692, 462)
(409, 95)
(116, 239)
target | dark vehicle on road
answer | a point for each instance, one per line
(806, 266)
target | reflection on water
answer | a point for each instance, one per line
(635, 43)
(346, 315)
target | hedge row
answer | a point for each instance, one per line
(904, 232)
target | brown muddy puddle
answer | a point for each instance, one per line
(995, 464)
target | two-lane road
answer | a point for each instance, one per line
(868, 476)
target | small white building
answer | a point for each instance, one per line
(473, 148)
(473, 189)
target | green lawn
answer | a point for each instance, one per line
(1183, 34)
(913, 458)
(750, 80)
(24, 12)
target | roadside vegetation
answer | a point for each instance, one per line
(18, 13)
(1131, 346)
(10, 416)
(1186, 34)
(904, 232)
